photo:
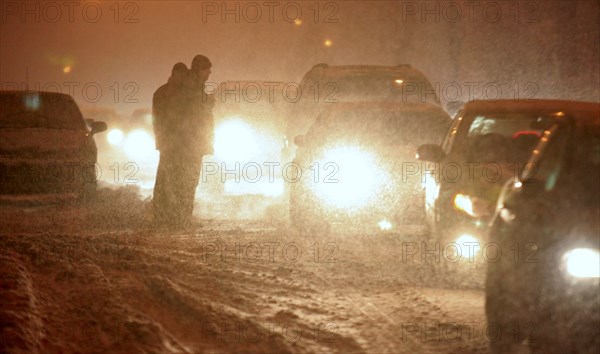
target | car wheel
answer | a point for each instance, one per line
(498, 315)
(508, 307)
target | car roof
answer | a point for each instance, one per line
(324, 69)
(41, 93)
(246, 82)
(324, 66)
(384, 105)
(584, 113)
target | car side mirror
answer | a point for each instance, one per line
(430, 152)
(98, 127)
(300, 140)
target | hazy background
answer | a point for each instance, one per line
(126, 49)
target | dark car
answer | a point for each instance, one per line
(355, 162)
(543, 284)
(324, 85)
(46, 147)
(489, 143)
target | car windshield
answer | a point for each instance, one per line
(380, 126)
(34, 110)
(368, 86)
(504, 137)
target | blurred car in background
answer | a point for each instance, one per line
(248, 142)
(355, 165)
(325, 85)
(544, 286)
(127, 153)
(132, 137)
(489, 143)
(46, 147)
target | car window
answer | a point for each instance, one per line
(35, 110)
(503, 137)
(451, 136)
(578, 166)
(503, 124)
(367, 86)
(546, 164)
(321, 89)
(387, 127)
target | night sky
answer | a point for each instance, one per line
(127, 49)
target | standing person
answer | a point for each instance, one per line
(197, 134)
(191, 137)
(165, 120)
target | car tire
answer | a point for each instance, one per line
(498, 315)
(508, 307)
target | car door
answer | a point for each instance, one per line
(432, 172)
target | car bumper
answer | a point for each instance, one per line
(389, 212)
(45, 177)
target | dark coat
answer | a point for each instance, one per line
(183, 119)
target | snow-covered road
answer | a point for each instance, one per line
(73, 281)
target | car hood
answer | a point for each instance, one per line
(398, 152)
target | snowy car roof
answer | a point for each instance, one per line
(585, 113)
(386, 105)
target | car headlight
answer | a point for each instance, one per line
(139, 146)
(464, 203)
(473, 206)
(236, 141)
(115, 136)
(467, 245)
(583, 263)
(432, 189)
(385, 225)
(349, 177)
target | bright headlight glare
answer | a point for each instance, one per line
(236, 141)
(115, 136)
(583, 263)
(467, 245)
(384, 225)
(432, 189)
(464, 203)
(350, 177)
(139, 146)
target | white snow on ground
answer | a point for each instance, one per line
(94, 277)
